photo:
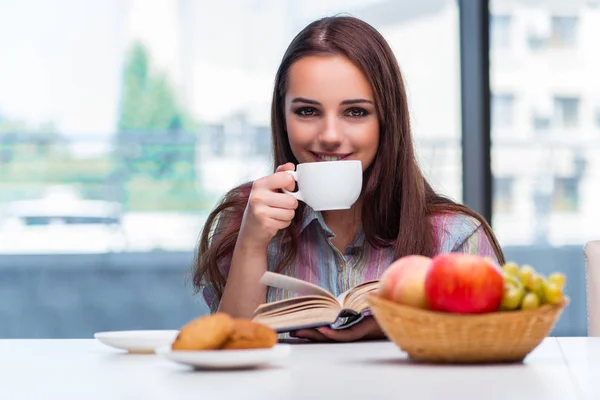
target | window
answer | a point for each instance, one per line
(262, 141)
(156, 116)
(503, 194)
(566, 194)
(503, 109)
(553, 210)
(558, 32)
(536, 43)
(500, 31)
(541, 124)
(564, 32)
(566, 112)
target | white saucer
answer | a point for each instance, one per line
(137, 341)
(226, 359)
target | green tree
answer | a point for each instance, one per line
(156, 140)
(35, 157)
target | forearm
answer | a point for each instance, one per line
(243, 292)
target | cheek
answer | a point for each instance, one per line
(367, 139)
(299, 134)
(368, 143)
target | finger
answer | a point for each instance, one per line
(359, 331)
(286, 167)
(280, 200)
(291, 186)
(278, 180)
(312, 334)
(346, 335)
(280, 224)
(264, 198)
(280, 214)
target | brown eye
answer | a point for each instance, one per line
(306, 112)
(356, 112)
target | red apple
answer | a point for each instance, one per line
(403, 281)
(464, 283)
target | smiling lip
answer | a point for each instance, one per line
(330, 156)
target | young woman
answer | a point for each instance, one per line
(338, 95)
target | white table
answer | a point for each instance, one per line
(561, 369)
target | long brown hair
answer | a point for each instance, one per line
(397, 200)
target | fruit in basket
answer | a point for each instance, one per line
(558, 278)
(464, 283)
(525, 273)
(511, 269)
(403, 281)
(511, 299)
(513, 290)
(531, 301)
(534, 282)
(552, 293)
(511, 281)
(534, 289)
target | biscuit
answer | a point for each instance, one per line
(250, 335)
(204, 333)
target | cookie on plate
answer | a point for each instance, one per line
(250, 335)
(205, 333)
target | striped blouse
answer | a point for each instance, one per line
(319, 262)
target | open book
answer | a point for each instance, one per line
(314, 307)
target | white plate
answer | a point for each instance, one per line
(137, 341)
(226, 359)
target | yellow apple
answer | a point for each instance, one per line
(403, 281)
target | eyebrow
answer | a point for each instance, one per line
(345, 102)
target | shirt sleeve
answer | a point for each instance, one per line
(458, 233)
(477, 243)
(209, 292)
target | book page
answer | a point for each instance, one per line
(294, 285)
(302, 319)
(342, 297)
(356, 299)
(292, 303)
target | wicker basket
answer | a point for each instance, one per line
(439, 337)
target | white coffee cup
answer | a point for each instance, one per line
(328, 185)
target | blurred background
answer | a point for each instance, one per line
(122, 122)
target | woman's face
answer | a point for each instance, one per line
(330, 111)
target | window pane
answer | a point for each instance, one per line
(503, 110)
(550, 155)
(566, 112)
(500, 31)
(123, 123)
(564, 31)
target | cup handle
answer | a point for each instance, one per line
(297, 194)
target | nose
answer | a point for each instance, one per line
(331, 135)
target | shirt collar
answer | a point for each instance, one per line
(311, 215)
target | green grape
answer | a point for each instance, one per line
(541, 294)
(530, 301)
(553, 293)
(510, 280)
(558, 278)
(525, 272)
(511, 300)
(510, 268)
(534, 283)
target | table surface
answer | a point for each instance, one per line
(559, 368)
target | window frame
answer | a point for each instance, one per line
(474, 39)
